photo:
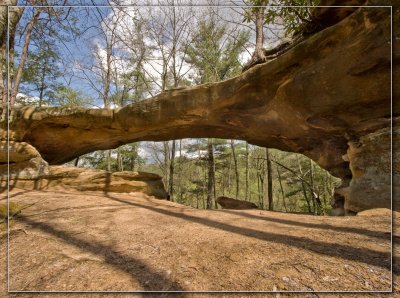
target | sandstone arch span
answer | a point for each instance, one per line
(325, 97)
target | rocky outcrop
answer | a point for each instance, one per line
(25, 161)
(229, 203)
(62, 177)
(370, 164)
(326, 91)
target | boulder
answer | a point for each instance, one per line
(25, 162)
(229, 203)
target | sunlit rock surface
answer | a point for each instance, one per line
(62, 177)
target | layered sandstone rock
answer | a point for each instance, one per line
(62, 177)
(329, 90)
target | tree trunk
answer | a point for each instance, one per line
(179, 184)
(203, 175)
(24, 54)
(328, 189)
(259, 22)
(108, 160)
(247, 197)
(107, 82)
(166, 163)
(319, 204)
(260, 185)
(10, 22)
(41, 96)
(3, 44)
(303, 186)
(171, 171)
(120, 164)
(282, 191)
(269, 177)
(76, 161)
(229, 173)
(214, 187)
(258, 55)
(132, 164)
(306, 197)
(3, 81)
(316, 198)
(236, 168)
(210, 184)
(42, 87)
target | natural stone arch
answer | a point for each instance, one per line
(324, 93)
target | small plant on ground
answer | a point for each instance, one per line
(14, 210)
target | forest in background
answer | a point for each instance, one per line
(109, 57)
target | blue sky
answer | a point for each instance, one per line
(77, 48)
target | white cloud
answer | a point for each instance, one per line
(24, 99)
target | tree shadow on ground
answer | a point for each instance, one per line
(148, 278)
(362, 255)
(97, 207)
(365, 232)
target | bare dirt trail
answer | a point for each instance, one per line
(94, 241)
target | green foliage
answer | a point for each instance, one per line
(68, 97)
(256, 6)
(293, 192)
(130, 160)
(130, 156)
(214, 55)
(42, 68)
(293, 19)
(14, 209)
(130, 87)
(41, 72)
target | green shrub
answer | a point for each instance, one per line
(14, 210)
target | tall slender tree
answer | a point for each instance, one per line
(16, 79)
(269, 180)
(247, 196)
(235, 162)
(9, 19)
(215, 57)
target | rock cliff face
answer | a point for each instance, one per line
(320, 98)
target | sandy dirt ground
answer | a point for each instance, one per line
(95, 241)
